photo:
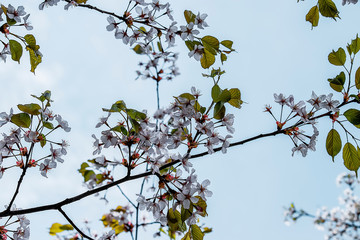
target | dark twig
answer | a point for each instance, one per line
(73, 224)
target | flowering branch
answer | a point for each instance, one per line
(67, 201)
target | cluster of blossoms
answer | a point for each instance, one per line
(22, 232)
(160, 66)
(184, 125)
(16, 17)
(349, 1)
(338, 222)
(140, 23)
(342, 222)
(118, 220)
(32, 128)
(302, 141)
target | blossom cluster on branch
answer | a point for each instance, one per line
(162, 146)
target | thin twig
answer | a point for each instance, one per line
(73, 224)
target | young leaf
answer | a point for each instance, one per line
(207, 59)
(187, 236)
(196, 232)
(355, 45)
(225, 96)
(228, 44)
(353, 116)
(337, 83)
(189, 16)
(235, 100)
(16, 50)
(223, 58)
(351, 157)
(328, 8)
(333, 143)
(211, 44)
(313, 16)
(337, 58)
(357, 78)
(35, 58)
(31, 41)
(48, 125)
(215, 93)
(219, 110)
(21, 120)
(135, 124)
(134, 114)
(32, 108)
(42, 140)
(187, 96)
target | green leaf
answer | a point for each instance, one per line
(353, 116)
(225, 96)
(187, 236)
(191, 44)
(48, 125)
(207, 59)
(120, 129)
(228, 44)
(355, 45)
(201, 206)
(357, 78)
(333, 143)
(118, 106)
(215, 93)
(174, 221)
(87, 174)
(351, 157)
(216, 72)
(219, 110)
(223, 58)
(313, 16)
(16, 50)
(189, 16)
(135, 125)
(134, 114)
(211, 44)
(196, 232)
(337, 58)
(235, 100)
(337, 83)
(21, 120)
(186, 213)
(31, 41)
(328, 9)
(35, 58)
(42, 140)
(32, 108)
(187, 96)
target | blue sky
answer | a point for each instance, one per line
(86, 69)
